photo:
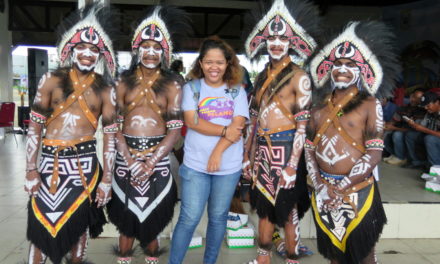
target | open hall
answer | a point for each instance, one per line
(408, 179)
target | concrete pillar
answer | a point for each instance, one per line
(5, 57)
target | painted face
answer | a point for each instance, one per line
(150, 54)
(214, 67)
(344, 73)
(85, 56)
(277, 46)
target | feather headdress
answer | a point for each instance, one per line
(370, 46)
(88, 25)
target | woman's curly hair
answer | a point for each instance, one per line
(233, 74)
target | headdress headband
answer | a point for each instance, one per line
(348, 46)
(279, 22)
(88, 30)
(153, 28)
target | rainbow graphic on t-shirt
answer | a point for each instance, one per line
(216, 107)
(207, 101)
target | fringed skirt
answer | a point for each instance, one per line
(57, 221)
(142, 211)
(342, 235)
(266, 197)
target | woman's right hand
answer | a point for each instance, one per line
(214, 161)
(234, 132)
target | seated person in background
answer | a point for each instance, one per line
(389, 109)
(427, 133)
(397, 127)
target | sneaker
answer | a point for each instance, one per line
(304, 251)
(388, 158)
(396, 161)
(428, 177)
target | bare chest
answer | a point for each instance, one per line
(92, 100)
(143, 97)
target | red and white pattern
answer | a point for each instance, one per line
(153, 28)
(348, 46)
(279, 22)
(88, 30)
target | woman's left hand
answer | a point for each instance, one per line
(214, 161)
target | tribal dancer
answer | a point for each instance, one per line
(149, 99)
(279, 117)
(69, 187)
(344, 141)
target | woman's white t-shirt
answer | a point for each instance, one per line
(217, 106)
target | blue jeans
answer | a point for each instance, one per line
(414, 139)
(432, 144)
(395, 144)
(197, 189)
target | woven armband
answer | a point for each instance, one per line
(174, 124)
(38, 118)
(374, 144)
(113, 128)
(302, 116)
(120, 119)
(309, 144)
(253, 112)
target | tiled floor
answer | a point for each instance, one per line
(397, 186)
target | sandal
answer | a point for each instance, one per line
(151, 260)
(123, 260)
(260, 252)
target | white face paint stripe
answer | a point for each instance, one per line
(355, 72)
(84, 52)
(277, 42)
(149, 51)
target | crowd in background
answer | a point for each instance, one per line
(412, 127)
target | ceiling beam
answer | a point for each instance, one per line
(185, 3)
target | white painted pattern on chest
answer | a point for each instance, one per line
(330, 154)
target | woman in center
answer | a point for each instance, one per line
(215, 111)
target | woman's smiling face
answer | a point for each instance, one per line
(214, 66)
